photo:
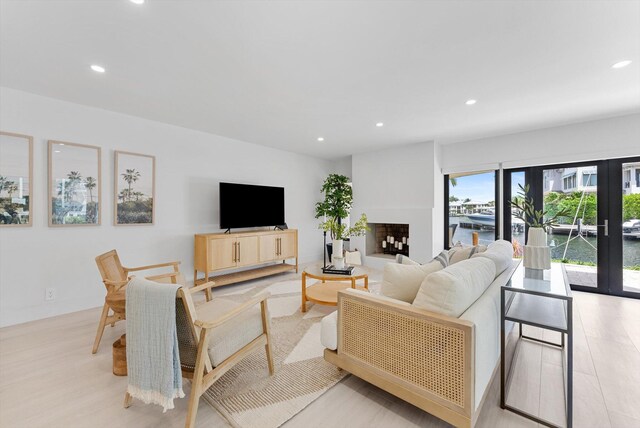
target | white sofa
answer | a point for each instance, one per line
(438, 362)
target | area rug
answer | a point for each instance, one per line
(247, 396)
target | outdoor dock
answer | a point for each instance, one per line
(566, 229)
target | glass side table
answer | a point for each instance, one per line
(545, 303)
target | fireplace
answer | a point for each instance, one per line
(387, 239)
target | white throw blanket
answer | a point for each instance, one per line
(153, 360)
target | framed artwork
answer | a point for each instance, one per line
(135, 189)
(74, 184)
(16, 179)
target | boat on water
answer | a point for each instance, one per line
(487, 220)
(484, 219)
(631, 228)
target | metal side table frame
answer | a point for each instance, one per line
(545, 303)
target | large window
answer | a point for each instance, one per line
(471, 207)
(569, 182)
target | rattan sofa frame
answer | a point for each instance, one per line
(424, 358)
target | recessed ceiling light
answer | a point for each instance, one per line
(320, 139)
(98, 68)
(379, 124)
(56, 151)
(621, 64)
(61, 144)
(137, 1)
(471, 102)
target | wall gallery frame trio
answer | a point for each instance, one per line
(74, 184)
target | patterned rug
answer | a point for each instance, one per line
(247, 396)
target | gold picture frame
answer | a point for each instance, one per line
(16, 167)
(134, 187)
(75, 173)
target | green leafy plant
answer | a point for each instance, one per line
(526, 211)
(338, 198)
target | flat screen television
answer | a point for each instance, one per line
(247, 205)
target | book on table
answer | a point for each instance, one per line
(347, 270)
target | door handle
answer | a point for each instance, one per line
(606, 227)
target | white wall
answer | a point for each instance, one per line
(398, 185)
(598, 139)
(189, 166)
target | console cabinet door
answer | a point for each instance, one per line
(268, 248)
(287, 247)
(222, 254)
(247, 250)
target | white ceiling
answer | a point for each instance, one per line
(283, 73)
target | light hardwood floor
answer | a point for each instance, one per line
(49, 378)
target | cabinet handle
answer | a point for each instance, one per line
(233, 255)
(238, 252)
(279, 246)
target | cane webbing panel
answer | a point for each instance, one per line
(424, 353)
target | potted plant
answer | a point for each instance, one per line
(537, 254)
(338, 198)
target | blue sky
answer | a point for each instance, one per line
(481, 187)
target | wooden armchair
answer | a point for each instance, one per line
(214, 336)
(115, 278)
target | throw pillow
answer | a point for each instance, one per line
(459, 253)
(404, 260)
(401, 282)
(452, 290)
(442, 258)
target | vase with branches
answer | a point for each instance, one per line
(527, 212)
(338, 199)
(537, 254)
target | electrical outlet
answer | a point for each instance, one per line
(50, 294)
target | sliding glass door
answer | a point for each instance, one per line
(597, 238)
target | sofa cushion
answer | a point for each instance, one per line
(329, 331)
(452, 290)
(460, 252)
(500, 253)
(404, 260)
(401, 282)
(329, 324)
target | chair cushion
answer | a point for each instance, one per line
(452, 290)
(500, 253)
(228, 338)
(401, 282)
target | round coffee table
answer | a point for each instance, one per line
(326, 292)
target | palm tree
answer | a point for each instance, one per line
(453, 181)
(130, 176)
(138, 195)
(123, 195)
(74, 177)
(3, 181)
(90, 184)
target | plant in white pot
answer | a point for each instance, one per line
(537, 254)
(338, 198)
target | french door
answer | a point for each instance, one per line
(597, 238)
